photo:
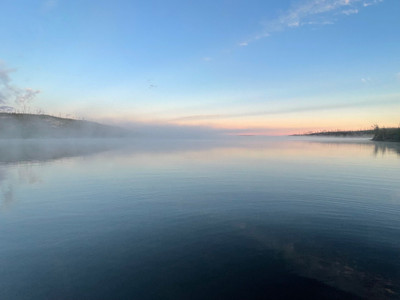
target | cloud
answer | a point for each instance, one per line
(366, 80)
(310, 12)
(6, 108)
(25, 96)
(294, 24)
(165, 130)
(320, 22)
(4, 73)
(207, 58)
(288, 110)
(4, 82)
(349, 12)
(366, 4)
(11, 95)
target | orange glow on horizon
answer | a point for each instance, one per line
(297, 123)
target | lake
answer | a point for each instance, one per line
(232, 218)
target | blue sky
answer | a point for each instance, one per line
(255, 66)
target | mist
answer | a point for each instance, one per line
(163, 131)
(30, 126)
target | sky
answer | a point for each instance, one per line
(248, 67)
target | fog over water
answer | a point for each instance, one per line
(145, 150)
(232, 218)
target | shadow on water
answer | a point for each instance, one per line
(321, 262)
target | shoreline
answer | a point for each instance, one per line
(376, 135)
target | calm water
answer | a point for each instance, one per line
(243, 218)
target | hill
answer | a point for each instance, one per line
(26, 126)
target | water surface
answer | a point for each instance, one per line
(238, 218)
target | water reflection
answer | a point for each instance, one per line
(378, 148)
(7, 190)
(244, 214)
(14, 176)
(19, 159)
(17, 151)
(381, 148)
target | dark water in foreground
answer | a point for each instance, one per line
(245, 218)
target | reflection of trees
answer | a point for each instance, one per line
(8, 195)
(44, 150)
(16, 157)
(6, 188)
(27, 175)
(383, 148)
(15, 175)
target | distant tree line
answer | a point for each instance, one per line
(340, 133)
(386, 134)
(377, 133)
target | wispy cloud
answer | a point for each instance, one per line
(4, 82)
(369, 3)
(310, 12)
(6, 108)
(11, 95)
(349, 12)
(290, 110)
